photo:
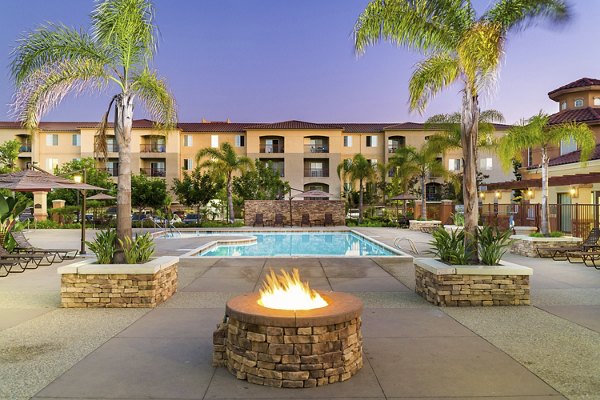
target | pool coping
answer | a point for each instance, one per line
(249, 239)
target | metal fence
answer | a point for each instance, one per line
(576, 219)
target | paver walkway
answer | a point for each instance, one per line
(412, 349)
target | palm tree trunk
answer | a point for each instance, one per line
(545, 229)
(469, 132)
(123, 124)
(423, 199)
(230, 200)
(360, 201)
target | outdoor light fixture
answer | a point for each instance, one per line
(573, 192)
(498, 195)
(530, 193)
(482, 195)
(77, 178)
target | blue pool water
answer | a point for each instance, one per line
(300, 244)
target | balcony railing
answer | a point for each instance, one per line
(316, 172)
(393, 148)
(316, 148)
(112, 171)
(112, 147)
(271, 148)
(153, 172)
(26, 148)
(153, 148)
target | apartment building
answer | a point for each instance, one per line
(305, 154)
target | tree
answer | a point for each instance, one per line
(196, 189)
(422, 163)
(261, 183)
(94, 176)
(224, 162)
(148, 192)
(55, 60)
(460, 47)
(358, 168)
(537, 132)
(9, 153)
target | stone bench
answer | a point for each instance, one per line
(416, 225)
(525, 245)
(472, 285)
(86, 284)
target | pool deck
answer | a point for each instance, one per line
(413, 350)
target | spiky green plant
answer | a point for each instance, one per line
(104, 246)
(138, 250)
(493, 243)
(55, 60)
(461, 47)
(450, 246)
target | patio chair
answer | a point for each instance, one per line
(328, 219)
(23, 260)
(305, 220)
(559, 253)
(23, 246)
(7, 266)
(592, 257)
(258, 220)
(278, 220)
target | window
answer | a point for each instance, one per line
(373, 162)
(371, 141)
(568, 146)
(454, 164)
(214, 140)
(529, 157)
(485, 164)
(578, 103)
(187, 164)
(51, 164)
(347, 141)
(76, 140)
(240, 141)
(187, 140)
(51, 139)
(563, 105)
(597, 101)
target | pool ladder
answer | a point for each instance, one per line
(411, 243)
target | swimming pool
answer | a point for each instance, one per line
(297, 244)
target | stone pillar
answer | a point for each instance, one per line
(418, 209)
(57, 204)
(40, 208)
(446, 211)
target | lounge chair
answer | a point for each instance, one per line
(258, 220)
(559, 253)
(7, 266)
(24, 260)
(24, 246)
(592, 257)
(328, 219)
(278, 220)
(305, 220)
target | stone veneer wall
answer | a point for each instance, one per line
(289, 357)
(315, 208)
(472, 290)
(528, 247)
(118, 290)
(416, 225)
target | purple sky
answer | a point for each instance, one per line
(272, 60)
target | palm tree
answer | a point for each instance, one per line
(422, 163)
(225, 162)
(358, 169)
(460, 47)
(537, 132)
(54, 60)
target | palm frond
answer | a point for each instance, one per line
(578, 132)
(51, 44)
(45, 87)
(519, 138)
(491, 116)
(157, 99)
(100, 142)
(518, 14)
(430, 77)
(422, 25)
(128, 27)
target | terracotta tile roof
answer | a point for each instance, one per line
(363, 127)
(572, 157)
(583, 82)
(294, 124)
(587, 115)
(214, 126)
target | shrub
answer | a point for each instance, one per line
(138, 250)
(104, 246)
(493, 243)
(552, 234)
(458, 219)
(450, 246)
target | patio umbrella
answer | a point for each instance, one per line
(404, 197)
(35, 180)
(101, 196)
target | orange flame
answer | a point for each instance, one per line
(288, 292)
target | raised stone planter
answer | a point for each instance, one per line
(525, 230)
(472, 285)
(416, 225)
(526, 245)
(87, 284)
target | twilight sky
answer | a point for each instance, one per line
(274, 60)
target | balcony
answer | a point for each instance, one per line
(25, 148)
(271, 148)
(112, 171)
(154, 172)
(316, 172)
(316, 148)
(153, 148)
(392, 148)
(395, 142)
(112, 147)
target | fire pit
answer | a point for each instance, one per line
(316, 343)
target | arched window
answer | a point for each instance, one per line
(578, 103)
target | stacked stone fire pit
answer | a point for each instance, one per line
(291, 348)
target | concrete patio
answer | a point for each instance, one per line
(550, 350)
